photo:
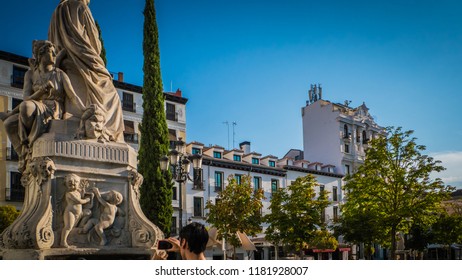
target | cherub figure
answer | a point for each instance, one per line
(73, 211)
(108, 203)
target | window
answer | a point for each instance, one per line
(238, 178)
(347, 169)
(173, 230)
(256, 183)
(347, 148)
(335, 213)
(197, 206)
(16, 191)
(17, 79)
(218, 181)
(237, 158)
(334, 194)
(11, 154)
(196, 151)
(365, 140)
(127, 102)
(323, 215)
(358, 135)
(174, 195)
(197, 178)
(171, 112)
(255, 161)
(172, 138)
(216, 154)
(272, 163)
(274, 185)
(346, 134)
(321, 189)
(130, 135)
(15, 102)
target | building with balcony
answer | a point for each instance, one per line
(336, 133)
(266, 172)
(12, 70)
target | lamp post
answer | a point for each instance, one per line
(181, 163)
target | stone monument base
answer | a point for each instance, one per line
(78, 254)
(81, 201)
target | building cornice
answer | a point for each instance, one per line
(223, 163)
(310, 171)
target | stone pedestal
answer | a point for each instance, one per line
(108, 167)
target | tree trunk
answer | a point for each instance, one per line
(393, 243)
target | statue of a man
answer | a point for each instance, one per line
(73, 29)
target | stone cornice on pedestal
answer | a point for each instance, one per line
(59, 142)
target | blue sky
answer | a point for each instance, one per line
(253, 61)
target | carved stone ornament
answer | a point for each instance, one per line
(33, 228)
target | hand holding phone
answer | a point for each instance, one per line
(164, 245)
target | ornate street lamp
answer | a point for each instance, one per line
(180, 163)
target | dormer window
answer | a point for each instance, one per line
(216, 154)
(272, 163)
(237, 158)
(255, 161)
(196, 151)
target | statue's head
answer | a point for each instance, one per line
(72, 182)
(117, 198)
(43, 50)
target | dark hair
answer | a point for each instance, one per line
(196, 237)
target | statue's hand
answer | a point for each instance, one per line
(47, 87)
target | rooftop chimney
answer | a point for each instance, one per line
(120, 77)
(245, 146)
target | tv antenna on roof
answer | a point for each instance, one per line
(234, 134)
(227, 123)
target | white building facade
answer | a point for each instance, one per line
(266, 172)
(337, 134)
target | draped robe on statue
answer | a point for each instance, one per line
(73, 29)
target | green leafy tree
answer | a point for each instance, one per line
(238, 209)
(295, 214)
(323, 239)
(8, 214)
(156, 191)
(394, 187)
(447, 229)
(358, 225)
(103, 49)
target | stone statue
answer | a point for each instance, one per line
(73, 31)
(70, 123)
(108, 203)
(73, 210)
(45, 90)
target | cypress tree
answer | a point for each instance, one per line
(156, 192)
(103, 50)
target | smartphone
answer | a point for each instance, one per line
(164, 245)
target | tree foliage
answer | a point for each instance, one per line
(323, 239)
(156, 191)
(103, 49)
(393, 187)
(295, 216)
(237, 209)
(8, 214)
(359, 226)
